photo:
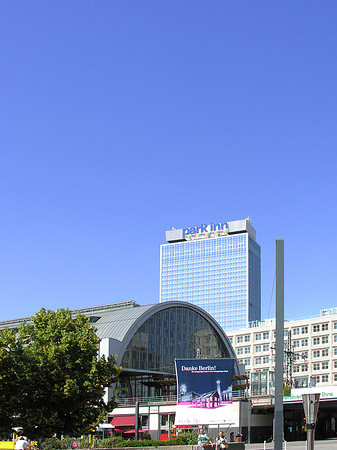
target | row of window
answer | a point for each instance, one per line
(298, 368)
(295, 343)
(295, 332)
(246, 338)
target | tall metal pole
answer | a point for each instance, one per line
(136, 421)
(279, 346)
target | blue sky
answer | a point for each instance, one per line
(122, 119)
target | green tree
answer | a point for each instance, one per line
(12, 376)
(59, 379)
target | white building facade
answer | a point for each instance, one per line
(310, 351)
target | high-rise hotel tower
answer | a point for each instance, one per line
(214, 266)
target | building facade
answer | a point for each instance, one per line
(216, 267)
(310, 351)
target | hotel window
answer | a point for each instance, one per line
(296, 344)
(335, 351)
(325, 378)
(247, 350)
(335, 325)
(316, 341)
(265, 347)
(304, 367)
(239, 339)
(315, 328)
(325, 339)
(325, 365)
(304, 330)
(247, 362)
(247, 338)
(315, 366)
(316, 378)
(335, 364)
(325, 352)
(258, 360)
(286, 332)
(296, 369)
(266, 335)
(335, 338)
(304, 354)
(230, 340)
(258, 336)
(239, 351)
(325, 326)
(316, 353)
(266, 360)
(335, 376)
(258, 348)
(296, 331)
(304, 342)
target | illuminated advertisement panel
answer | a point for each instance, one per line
(204, 389)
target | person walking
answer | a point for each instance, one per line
(203, 439)
(21, 443)
(221, 441)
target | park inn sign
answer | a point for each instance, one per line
(211, 230)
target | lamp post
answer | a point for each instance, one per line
(310, 405)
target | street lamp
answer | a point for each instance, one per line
(310, 405)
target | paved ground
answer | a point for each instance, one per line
(298, 445)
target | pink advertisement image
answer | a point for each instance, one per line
(204, 390)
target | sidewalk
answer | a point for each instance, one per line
(327, 444)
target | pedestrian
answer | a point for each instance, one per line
(21, 443)
(221, 441)
(203, 439)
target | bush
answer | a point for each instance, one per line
(111, 442)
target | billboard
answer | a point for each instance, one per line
(204, 390)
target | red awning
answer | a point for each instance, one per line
(134, 431)
(123, 421)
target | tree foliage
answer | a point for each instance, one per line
(52, 380)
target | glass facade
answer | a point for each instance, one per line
(172, 333)
(221, 275)
(169, 334)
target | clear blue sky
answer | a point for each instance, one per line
(122, 119)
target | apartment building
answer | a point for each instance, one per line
(310, 347)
